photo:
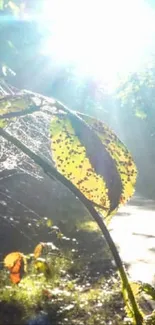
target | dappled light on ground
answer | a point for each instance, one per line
(133, 229)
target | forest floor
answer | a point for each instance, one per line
(83, 286)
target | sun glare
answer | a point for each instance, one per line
(101, 38)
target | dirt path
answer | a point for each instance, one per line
(133, 229)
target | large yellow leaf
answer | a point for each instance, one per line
(81, 157)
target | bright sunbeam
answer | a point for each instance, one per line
(101, 38)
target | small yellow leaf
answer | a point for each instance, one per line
(59, 235)
(49, 223)
(42, 266)
(38, 250)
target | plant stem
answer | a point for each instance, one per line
(54, 174)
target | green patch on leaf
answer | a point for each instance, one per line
(17, 105)
(3, 123)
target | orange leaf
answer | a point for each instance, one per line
(15, 277)
(15, 262)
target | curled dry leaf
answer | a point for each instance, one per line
(16, 263)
